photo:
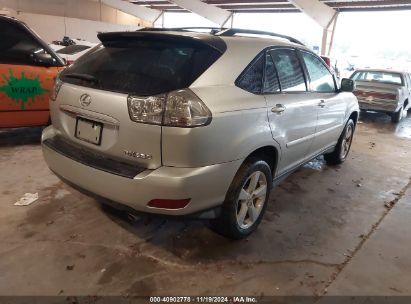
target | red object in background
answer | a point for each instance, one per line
(327, 60)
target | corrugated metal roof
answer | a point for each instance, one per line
(281, 6)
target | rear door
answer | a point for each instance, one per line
(330, 106)
(292, 114)
(24, 86)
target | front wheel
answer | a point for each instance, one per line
(246, 200)
(343, 145)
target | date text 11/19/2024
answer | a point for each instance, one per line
(204, 299)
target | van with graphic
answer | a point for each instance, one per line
(28, 68)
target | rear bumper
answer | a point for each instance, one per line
(205, 186)
(386, 106)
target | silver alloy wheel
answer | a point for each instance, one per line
(251, 199)
(346, 142)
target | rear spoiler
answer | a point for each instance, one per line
(195, 39)
(223, 31)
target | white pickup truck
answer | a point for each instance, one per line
(385, 91)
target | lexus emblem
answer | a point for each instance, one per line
(85, 100)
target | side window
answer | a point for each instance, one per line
(289, 70)
(357, 75)
(252, 79)
(16, 44)
(321, 79)
(271, 82)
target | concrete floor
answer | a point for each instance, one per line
(326, 231)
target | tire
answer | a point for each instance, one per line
(241, 213)
(343, 145)
(396, 116)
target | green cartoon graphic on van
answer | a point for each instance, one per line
(22, 89)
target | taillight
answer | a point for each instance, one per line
(146, 109)
(180, 108)
(185, 109)
(56, 89)
(169, 203)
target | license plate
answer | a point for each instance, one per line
(88, 130)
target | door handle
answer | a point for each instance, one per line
(279, 108)
(321, 104)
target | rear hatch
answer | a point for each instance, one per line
(377, 87)
(364, 90)
(91, 109)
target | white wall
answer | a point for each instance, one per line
(54, 27)
(53, 19)
(81, 9)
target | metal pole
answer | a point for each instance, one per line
(332, 34)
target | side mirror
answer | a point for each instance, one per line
(347, 85)
(40, 57)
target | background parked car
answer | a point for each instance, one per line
(385, 91)
(28, 67)
(72, 52)
(66, 41)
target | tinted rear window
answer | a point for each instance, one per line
(143, 67)
(73, 49)
(377, 76)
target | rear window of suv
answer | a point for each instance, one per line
(142, 66)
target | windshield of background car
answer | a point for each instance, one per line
(377, 76)
(73, 49)
(17, 44)
(142, 67)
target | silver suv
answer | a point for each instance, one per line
(177, 122)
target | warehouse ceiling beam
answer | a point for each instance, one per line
(324, 15)
(320, 12)
(138, 11)
(281, 6)
(215, 14)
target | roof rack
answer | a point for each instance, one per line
(211, 30)
(225, 32)
(234, 31)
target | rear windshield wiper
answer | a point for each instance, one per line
(86, 77)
